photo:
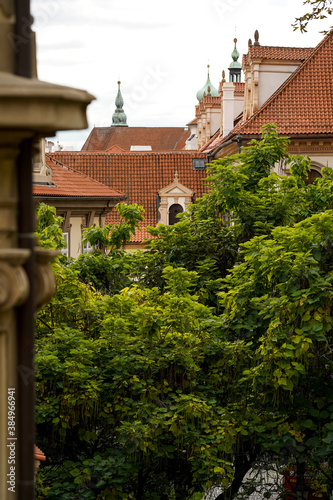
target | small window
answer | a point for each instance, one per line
(199, 163)
(173, 211)
(87, 247)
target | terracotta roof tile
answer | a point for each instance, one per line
(279, 53)
(239, 87)
(115, 149)
(67, 182)
(193, 122)
(139, 175)
(302, 105)
(209, 146)
(211, 100)
(159, 138)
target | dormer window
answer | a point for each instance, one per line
(173, 199)
(199, 163)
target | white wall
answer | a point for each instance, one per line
(271, 77)
(75, 237)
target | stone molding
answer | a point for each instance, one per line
(14, 284)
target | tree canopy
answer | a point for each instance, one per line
(214, 358)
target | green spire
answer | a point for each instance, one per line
(207, 89)
(235, 56)
(119, 118)
(235, 67)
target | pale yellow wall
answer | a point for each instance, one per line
(239, 103)
(75, 247)
(271, 77)
(215, 120)
(76, 226)
(262, 79)
(322, 160)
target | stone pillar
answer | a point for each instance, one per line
(228, 102)
(29, 110)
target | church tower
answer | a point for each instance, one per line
(235, 66)
(119, 117)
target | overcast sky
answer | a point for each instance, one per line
(159, 50)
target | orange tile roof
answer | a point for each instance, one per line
(301, 106)
(279, 53)
(193, 122)
(239, 87)
(69, 183)
(208, 146)
(159, 138)
(115, 149)
(303, 103)
(211, 100)
(39, 455)
(139, 175)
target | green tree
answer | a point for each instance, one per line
(122, 409)
(48, 229)
(106, 268)
(320, 9)
(218, 358)
(113, 236)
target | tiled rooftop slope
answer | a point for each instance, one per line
(140, 176)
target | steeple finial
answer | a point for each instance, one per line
(119, 118)
(256, 38)
(235, 53)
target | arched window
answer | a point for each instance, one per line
(173, 211)
(313, 175)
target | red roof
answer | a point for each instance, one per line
(301, 106)
(303, 103)
(139, 175)
(239, 87)
(69, 183)
(159, 138)
(193, 122)
(278, 53)
(209, 145)
(115, 149)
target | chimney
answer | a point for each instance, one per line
(228, 104)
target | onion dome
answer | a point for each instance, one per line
(207, 89)
(235, 56)
(235, 66)
(119, 118)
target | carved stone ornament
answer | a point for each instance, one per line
(14, 283)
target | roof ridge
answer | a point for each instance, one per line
(283, 47)
(58, 162)
(127, 153)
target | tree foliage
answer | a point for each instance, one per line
(214, 358)
(113, 236)
(319, 9)
(48, 228)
